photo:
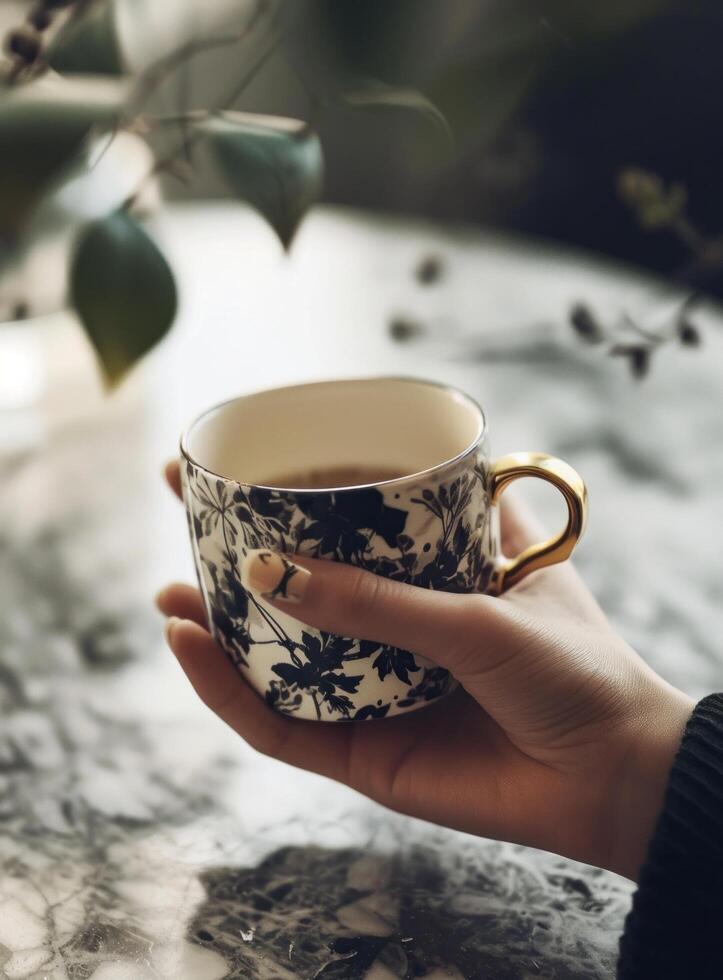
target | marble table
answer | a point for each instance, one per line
(139, 838)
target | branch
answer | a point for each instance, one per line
(158, 73)
(631, 341)
(167, 163)
(246, 79)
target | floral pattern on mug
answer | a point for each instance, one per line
(435, 531)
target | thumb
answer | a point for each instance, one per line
(457, 632)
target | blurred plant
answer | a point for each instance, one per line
(661, 208)
(656, 207)
(623, 338)
(636, 344)
(71, 88)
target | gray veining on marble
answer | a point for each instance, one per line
(139, 839)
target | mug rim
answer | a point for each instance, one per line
(418, 474)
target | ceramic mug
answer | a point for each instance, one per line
(435, 526)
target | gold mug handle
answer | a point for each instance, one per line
(516, 466)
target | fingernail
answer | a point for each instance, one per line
(159, 597)
(171, 623)
(274, 576)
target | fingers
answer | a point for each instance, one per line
(440, 626)
(183, 602)
(172, 473)
(308, 745)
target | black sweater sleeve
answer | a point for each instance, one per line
(675, 926)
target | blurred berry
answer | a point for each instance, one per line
(688, 334)
(429, 270)
(585, 325)
(40, 18)
(23, 43)
(402, 329)
(640, 361)
(638, 357)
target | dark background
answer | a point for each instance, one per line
(548, 103)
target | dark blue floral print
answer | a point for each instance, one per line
(431, 536)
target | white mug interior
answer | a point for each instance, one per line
(404, 425)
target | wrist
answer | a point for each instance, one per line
(645, 769)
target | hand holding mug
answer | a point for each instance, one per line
(559, 735)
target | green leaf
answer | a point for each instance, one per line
(274, 164)
(43, 128)
(664, 211)
(375, 95)
(122, 290)
(88, 42)
(656, 205)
